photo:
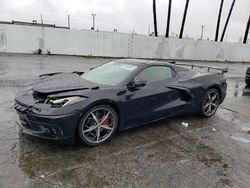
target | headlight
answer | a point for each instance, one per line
(64, 101)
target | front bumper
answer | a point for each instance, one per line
(59, 128)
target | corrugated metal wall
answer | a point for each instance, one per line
(28, 39)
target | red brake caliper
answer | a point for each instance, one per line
(106, 122)
(205, 101)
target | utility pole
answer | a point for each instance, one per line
(184, 19)
(68, 21)
(93, 28)
(202, 28)
(155, 19)
(218, 21)
(247, 30)
(168, 19)
(41, 17)
(228, 17)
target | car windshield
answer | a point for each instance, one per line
(111, 74)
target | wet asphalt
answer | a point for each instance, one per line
(212, 152)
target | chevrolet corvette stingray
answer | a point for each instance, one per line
(115, 96)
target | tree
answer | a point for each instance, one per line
(168, 19)
(247, 30)
(228, 17)
(184, 19)
(218, 21)
(155, 19)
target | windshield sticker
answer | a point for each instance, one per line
(128, 67)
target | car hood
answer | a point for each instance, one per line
(62, 83)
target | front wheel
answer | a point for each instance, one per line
(210, 103)
(98, 125)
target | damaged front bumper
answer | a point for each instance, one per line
(59, 128)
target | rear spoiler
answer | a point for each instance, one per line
(223, 70)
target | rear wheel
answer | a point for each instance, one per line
(210, 102)
(98, 125)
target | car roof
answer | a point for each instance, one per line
(142, 62)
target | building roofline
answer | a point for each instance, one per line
(13, 22)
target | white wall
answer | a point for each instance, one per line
(28, 39)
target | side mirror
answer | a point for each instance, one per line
(137, 84)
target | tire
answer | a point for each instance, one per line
(210, 103)
(98, 125)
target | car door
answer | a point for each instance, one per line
(154, 100)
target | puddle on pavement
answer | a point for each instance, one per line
(237, 88)
(27, 158)
(246, 91)
(230, 116)
(241, 135)
(241, 139)
(60, 165)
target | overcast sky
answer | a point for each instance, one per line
(128, 15)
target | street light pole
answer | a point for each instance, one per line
(41, 17)
(202, 28)
(68, 21)
(93, 28)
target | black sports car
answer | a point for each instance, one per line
(117, 95)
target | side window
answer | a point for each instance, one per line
(154, 74)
